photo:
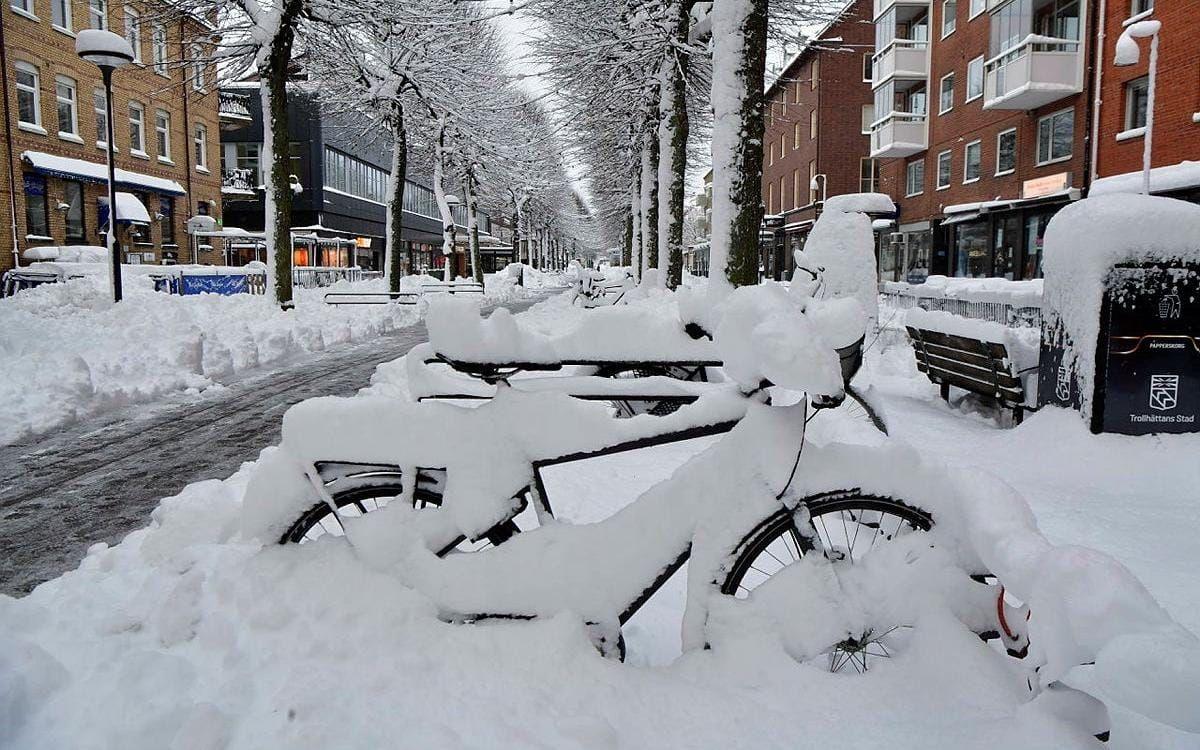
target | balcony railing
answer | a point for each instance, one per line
(903, 58)
(238, 181)
(899, 134)
(233, 106)
(1035, 71)
(882, 6)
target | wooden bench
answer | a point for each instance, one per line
(453, 287)
(981, 367)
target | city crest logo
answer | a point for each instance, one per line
(1164, 392)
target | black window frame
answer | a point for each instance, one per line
(30, 204)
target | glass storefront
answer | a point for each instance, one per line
(1000, 245)
(1006, 243)
(972, 250)
(1035, 232)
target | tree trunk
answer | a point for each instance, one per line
(673, 139)
(739, 32)
(394, 254)
(277, 198)
(627, 250)
(472, 226)
(636, 227)
(439, 193)
(650, 198)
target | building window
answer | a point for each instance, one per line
(60, 14)
(975, 78)
(201, 143)
(24, 7)
(158, 44)
(100, 108)
(1006, 152)
(796, 191)
(914, 178)
(949, 17)
(814, 73)
(1054, 136)
(868, 175)
(355, 177)
(771, 154)
(812, 181)
(162, 132)
(29, 98)
(1142, 6)
(98, 14)
(771, 197)
(245, 161)
(943, 174)
(868, 117)
(133, 32)
(137, 124)
(795, 135)
(73, 197)
(977, 7)
(796, 94)
(867, 72)
(66, 99)
(1136, 97)
(946, 96)
(197, 68)
(782, 145)
(812, 123)
(973, 157)
(37, 217)
(782, 200)
(166, 207)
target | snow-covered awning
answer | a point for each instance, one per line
(78, 169)
(960, 217)
(129, 209)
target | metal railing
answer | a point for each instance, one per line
(311, 277)
(233, 106)
(1004, 313)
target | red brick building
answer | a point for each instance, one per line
(165, 122)
(1123, 100)
(982, 117)
(818, 116)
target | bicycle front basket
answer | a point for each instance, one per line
(851, 358)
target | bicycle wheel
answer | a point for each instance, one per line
(632, 408)
(320, 520)
(848, 525)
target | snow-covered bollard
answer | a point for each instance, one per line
(1121, 315)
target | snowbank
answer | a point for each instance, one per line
(1084, 241)
(67, 352)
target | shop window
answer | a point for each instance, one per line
(37, 216)
(1035, 232)
(1054, 136)
(972, 250)
(1004, 245)
(1006, 152)
(166, 207)
(73, 197)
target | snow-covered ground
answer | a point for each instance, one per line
(67, 352)
(187, 636)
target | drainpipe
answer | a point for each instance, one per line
(188, 135)
(8, 139)
(1097, 59)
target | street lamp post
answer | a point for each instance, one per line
(107, 51)
(1128, 53)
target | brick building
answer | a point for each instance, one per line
(819, 112)
(165, 131)
(982, 117)
(1122, 104)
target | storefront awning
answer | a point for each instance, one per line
(129, 210)
(78, 169)
(960, 217)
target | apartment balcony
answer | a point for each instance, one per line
(233, 107)
(883, 6)
(239, 181)
(1033, 72)
(903, 58)
(899, 134)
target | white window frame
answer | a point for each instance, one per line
(968, 91)
(158, 49)
(1129, 129)
(1037, 150)
(1133, 8)
(133, 32)
(67, 24)
(98, 11)
(908, 168)
(942, 89)
(812, 124)
(73, 102)
(140, 150)
(197, 60)
(1013, 168)
(795, 135)
(972, 13)
(100, 112)
(953, 17)
(200, 147)
(24, 8)
(967, 162)
(163, 145)
(36, 90)
(865, 125)
(949, 154)
(874, 179)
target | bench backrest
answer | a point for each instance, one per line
(967, 363)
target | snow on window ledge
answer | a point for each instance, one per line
(1137, 17)
(1131, 133)
(23, 12)
(63, 30)
(29, 127)
(166, 160)
(64, 136)
(202, 170)
(139, 154)
(37, 237)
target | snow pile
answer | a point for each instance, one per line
(1084, 241)
(843, 244)
(68, 352)
(1165, 179)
